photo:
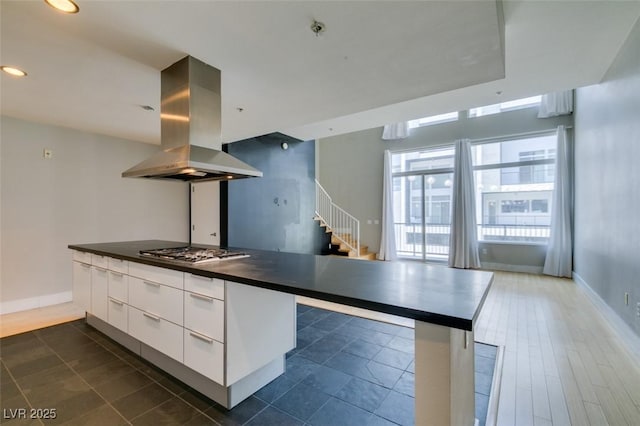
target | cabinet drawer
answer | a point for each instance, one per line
(100, 261)
(99, 292)
(119, 265)
(204, 315)
(82, 285)
(161, 335)
(157, 299)
(213, 287)
(204, 355)
(159, 275)
(82, 256)
(119, 286)
(119, 314)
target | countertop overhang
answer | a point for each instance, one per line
(433, 294)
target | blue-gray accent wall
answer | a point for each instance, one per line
(274, 212)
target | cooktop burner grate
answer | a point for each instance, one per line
(193, 255)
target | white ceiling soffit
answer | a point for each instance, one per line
(377, 62)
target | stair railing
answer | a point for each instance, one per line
(344, 226)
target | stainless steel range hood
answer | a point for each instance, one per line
(190, 116)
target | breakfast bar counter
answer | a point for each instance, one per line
(444, 302)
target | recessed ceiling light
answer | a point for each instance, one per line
(13, 71)
(66, 6)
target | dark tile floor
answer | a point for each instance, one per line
(345, 371)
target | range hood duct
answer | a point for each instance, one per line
(190, 116)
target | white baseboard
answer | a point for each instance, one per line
(528, 269)
(35, 302)
(628, 338)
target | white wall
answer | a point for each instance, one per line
(607, 188)
(77, 196)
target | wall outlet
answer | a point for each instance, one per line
(626, 298)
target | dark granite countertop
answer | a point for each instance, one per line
(430, 293)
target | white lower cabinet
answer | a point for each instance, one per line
(205, 315)
(224, 330)
(204, 355)
(99, 292)
(157, 275)
(119, 286)
(156, 332)
(119, 314)
(157, 299)
(82, 284)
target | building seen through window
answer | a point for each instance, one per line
(514, 184)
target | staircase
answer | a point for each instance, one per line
(344, 229)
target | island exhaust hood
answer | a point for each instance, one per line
(190, 116)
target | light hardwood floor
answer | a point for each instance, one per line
(20, 322)
(562, 365)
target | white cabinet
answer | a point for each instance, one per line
(204, 355)
(260, 326)
(212, 287)
(82, 256)
(119, 314)
(204, 315)
(118, 265)
(223, 330)
(118, 286)
(82, 284)
(156, 332)
(157, 299)
(157, 275)
(99, 292)
(100, 261)
(118, 298)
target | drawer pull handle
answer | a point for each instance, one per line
(153, 317)
(200, 277)
(152, 284)
(117, 274)
(100, 269)
(201, 337)
(117, 302)
(85, 265)
(201, 297)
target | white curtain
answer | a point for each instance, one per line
(463, 243)
(559, 248)
(388, 238)
(556, 103)
(396, 131)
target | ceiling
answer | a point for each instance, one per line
(377, 62)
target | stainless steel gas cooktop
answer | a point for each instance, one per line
(193, 255)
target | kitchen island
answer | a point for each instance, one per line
(444, 303)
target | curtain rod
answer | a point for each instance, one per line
(479, 140)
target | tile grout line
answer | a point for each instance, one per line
(153, 381)
(19, 388)
(80, 376)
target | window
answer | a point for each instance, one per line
(514, 184)
(505, 106)
(434, 119)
